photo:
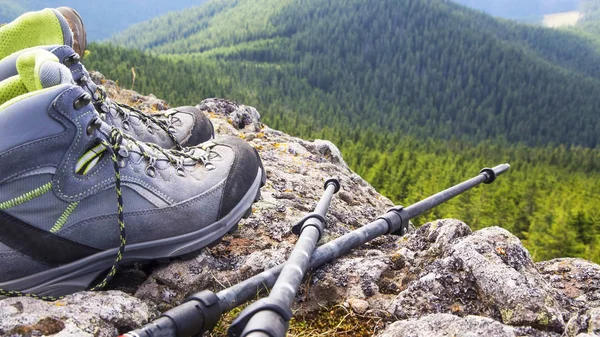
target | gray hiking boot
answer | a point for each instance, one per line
(61, 167)
(65, 37)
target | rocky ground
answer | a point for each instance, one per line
(440, 280)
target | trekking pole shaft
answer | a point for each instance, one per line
(427, 204)
(294, 268)
(270, 316)
(248, 289)
(296, 265)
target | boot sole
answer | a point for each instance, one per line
(78, 275)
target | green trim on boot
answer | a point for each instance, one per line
(38, 69)
(29, 67)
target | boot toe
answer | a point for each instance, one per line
(202, 129)
(244, 171)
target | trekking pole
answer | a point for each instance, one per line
(270, 316)
(202, 311)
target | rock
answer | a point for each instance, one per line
(487, 273)
(586, 323)
(351, 277)
(105, 313)
(240, 116)
(358, 306)
(326, 149)
(576, 279)
(450, 325)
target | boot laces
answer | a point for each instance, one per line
(125, 111)
(153, 153)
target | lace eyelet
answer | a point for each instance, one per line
(180, 172)
(71, 60)
(151, 171)
(82, 101)
(94, 125)
(209, 166)
(124, 152)
(126, 126)
(82, 81)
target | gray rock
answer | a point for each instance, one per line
(82, 314)
(577, 279)
(487, 273)
(585, 323)
(326, 149)
(450, 325)
(358, 306)
(349, 277)
(240, 116)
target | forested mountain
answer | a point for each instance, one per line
(102, 18)
(521, 9)
(590, 21)
(417, 94)
(430, 65)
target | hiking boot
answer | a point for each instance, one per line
(175, 128)
(61, 167)
(77, 28)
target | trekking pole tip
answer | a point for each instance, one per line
(501, 168)
(335, 182)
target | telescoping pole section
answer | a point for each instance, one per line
(270, 316)
(202, 311)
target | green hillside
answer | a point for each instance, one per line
(590, 21)
(431, 65)
(417, 94)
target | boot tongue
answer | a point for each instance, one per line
(40, 69)
(45, 27)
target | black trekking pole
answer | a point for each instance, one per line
(202, 311)
(270, 316)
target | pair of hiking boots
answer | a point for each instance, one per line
(87, 184)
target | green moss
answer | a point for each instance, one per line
(507, 315)
(338, 321)
(543, 318)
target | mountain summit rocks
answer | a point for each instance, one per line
(441, 279)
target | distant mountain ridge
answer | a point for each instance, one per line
(590, 21)
(432, 66)
(102, 18)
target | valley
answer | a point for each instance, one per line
(416, 94)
